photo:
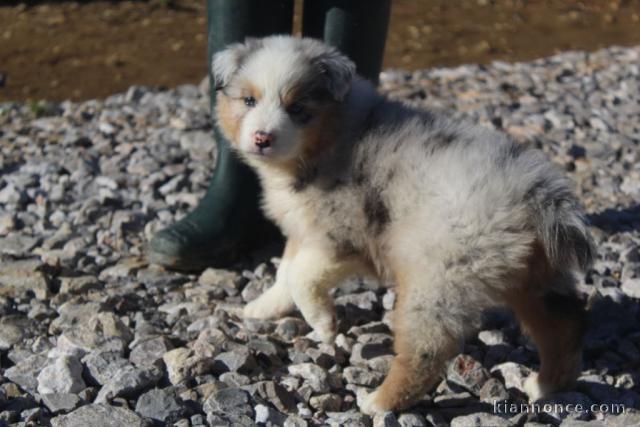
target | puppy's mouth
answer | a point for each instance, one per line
(265, 149)
(262, 147)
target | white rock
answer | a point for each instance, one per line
(63, 375)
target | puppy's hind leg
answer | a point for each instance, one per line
(277, 300)
(556, 323)
(427, 334)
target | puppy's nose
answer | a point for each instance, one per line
(263, 139)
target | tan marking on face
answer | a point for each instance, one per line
(228, 117)
(317, 136)
(321, 132)
(253, 90)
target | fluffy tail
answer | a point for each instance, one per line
(562, 226)
(565, 236)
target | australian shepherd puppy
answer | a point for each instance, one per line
(459, 217)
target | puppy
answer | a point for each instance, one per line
(459, 217)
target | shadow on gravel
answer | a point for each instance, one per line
(616, 220)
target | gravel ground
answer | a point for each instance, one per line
(90, 334)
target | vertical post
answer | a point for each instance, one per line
(230, 21)
(227, 220)
(357, 27)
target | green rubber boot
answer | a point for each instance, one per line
(357, 27)
(227, 221)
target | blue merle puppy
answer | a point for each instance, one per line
(459, 217)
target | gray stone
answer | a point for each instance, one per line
(182, 363)
(277, 395)
(237, 360)
(411, 420)
(493, 391)
(18, 244)
(210, 342)
(123, 268)
(77, 285)
(149, 351)
(10, 194)
(198, 420)
(454, 400)
(25, 373)
(34, 416)
(78, 341)
(101, 366)
(363, 300)
(269, 416)
(350, 419)
(18, 277)
(326, 402)
(363, 377)
(295, 421)
(325, 356)
(314, 375)
(129, 381)
(389, 300)
(381, 364)
(13, 329)
(467, 372)
(108, 325)
(513, 374)
(376, 338)
(99, 415)
(160, 405)
(491, 337)
(60, 402)
(291, 327)
(234, 379)
(227, 280)
(74, 314)
(631, 287)
(480, 420)
(571, 423)
(230, 405)
(630, 418)
(362, 354)
(62, 375)
(388, 419)
(255, 288)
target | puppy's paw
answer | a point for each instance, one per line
(533, 388)
(326, 331)
(370, 405)
(326, 335)
(261, 309)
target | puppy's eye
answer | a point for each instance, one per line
(295, 109)
(250, 101)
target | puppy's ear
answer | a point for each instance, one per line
(337, 71)
(228, 61)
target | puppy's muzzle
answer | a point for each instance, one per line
(263, 139)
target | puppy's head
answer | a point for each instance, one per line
(278, 95)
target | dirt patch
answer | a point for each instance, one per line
(69, 50)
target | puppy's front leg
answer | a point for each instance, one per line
(277, 300)
(312, 273)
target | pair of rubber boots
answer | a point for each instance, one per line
(227, 222)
